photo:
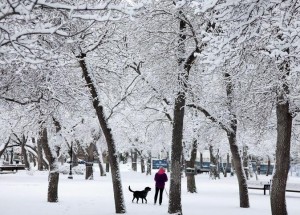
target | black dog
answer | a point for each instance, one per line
(140, 194)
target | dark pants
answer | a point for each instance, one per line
(160, 190)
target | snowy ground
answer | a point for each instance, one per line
(27, 194)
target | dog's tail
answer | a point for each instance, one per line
(130, 189)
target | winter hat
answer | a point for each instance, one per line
(161, 170)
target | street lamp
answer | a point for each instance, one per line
(71, 162)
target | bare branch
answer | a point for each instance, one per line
(21, 102)
(124, 97)
(209, 116)
(166, 114)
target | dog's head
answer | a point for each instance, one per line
(147, 189)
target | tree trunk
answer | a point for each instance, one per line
(101, 168)
(122, 159)
(284, 128)
(39, 154)
(237, 163)
(175, 182)
(32, 159)
(53, 173)
(246, 161)
(226, 166)
(24, 152)
(236, 157)
(184, 69)
(113, 156)
(11, 156)
(74, 157)
(89, 162)
(149, 164)
(214, 164)
(201, 160)
(184, 66)
(107, 164)
(269, 167)
(168, 161)
(142, 164)
(6, 156)
(125, 157)
(134, 160)
(74, 147)
(100, 160)
(191, 184)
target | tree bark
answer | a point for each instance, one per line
(134, 160)
(236, 157)
(175, 182)
(226, 166)
(107, 163)
(74, 157)
(11, 156)
(191, 183)
(40, 154)
(32, 159)
(89, 162)
(184, 67)
(237, 163)
(142, 164)
(201, 160)
(246, 161)
(148, 172)
(100, 160)
(269, 167)
(101, 168)
(177, 132)
(53, 173)
(113, 157)
(168, 161)
(24, 152)
(284, 128)
(214, 164)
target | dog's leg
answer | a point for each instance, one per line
(133, 199)
(137, 199)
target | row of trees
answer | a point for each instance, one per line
(178, 74)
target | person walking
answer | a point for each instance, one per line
(160, 179)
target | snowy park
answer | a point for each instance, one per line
(193, 101)
(26, 193)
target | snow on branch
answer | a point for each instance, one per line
(104, 6)
(209, 116)
(38, 100)
(24, 21)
